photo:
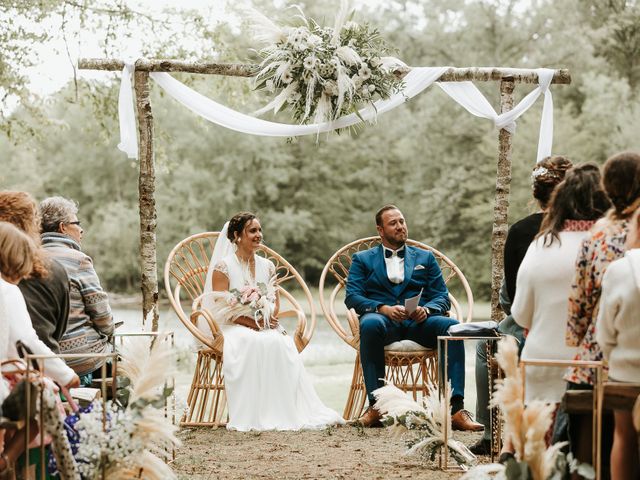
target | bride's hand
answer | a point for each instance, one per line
(273, 322)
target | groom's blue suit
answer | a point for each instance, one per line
(368, 287)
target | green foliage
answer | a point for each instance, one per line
(431, 158)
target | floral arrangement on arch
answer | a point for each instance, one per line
(322, 73)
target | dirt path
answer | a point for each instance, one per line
(337, 453)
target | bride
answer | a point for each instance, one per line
(266, 383)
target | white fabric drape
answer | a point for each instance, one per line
(128, 135)
(468, 95)
(222, 248)
(417, 80)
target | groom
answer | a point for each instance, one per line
(380, 279)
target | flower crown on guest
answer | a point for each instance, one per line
(322, 73)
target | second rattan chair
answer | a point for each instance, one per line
(409, 366)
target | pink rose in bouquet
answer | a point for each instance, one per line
(253, 301)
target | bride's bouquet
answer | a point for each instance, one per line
(254, 301)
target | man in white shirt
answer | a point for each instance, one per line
(380, 280)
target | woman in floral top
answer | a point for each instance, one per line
(621, 180)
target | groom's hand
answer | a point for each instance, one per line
(419, 315)
(397, 313)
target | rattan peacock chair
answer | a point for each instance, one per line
(184, 277)
(409, 366)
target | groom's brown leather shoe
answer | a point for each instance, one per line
(370, 418)
(462, 420)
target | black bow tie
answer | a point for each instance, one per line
(388, 253)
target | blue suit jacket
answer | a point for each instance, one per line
(368, 285)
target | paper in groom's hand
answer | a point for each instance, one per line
(411, 304)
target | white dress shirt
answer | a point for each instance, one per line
(395, 265)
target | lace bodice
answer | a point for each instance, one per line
(239, 273)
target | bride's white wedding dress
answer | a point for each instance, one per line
(266, 383)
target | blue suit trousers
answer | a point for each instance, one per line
(376, 331)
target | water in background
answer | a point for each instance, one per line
(328, 360)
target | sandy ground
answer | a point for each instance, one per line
(335, 453)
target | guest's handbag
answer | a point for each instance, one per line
(475, 329)
(14, 406)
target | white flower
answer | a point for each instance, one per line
(270, 86)
(351, 25)
(331, 88)
(325, 69)
(364, 72)
(372, 88)
(375, 62)
(538, 172)
(287, 77)
(357, 81)
(298, 36)
(301, 46)
(365, 92)
(314, 40)
(310, 62)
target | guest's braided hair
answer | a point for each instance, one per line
(237, 224)
(621, 181)
(548, 173)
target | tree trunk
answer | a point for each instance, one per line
(146, 192)
(501, 207)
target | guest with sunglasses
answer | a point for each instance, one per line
(90, 320)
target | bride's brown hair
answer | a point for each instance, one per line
(237, 224)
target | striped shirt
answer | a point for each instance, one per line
(90, 319)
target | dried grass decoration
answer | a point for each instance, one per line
(526, 427)
(322, 73)
(133, 439)
(423, 425)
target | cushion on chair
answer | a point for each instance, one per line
(405, 346)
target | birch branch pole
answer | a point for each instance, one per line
(507, 77)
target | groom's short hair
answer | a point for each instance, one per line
(379, 213)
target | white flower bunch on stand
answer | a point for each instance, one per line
(129, 442)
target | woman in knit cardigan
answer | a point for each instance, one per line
(618, 335)
(90, 320)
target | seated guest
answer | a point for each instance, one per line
(618, 335)
(17, 254)
(545, 176)
(621, 181)
(46, 290)
(545, 276)
(544, 280)
(605, 243)
(90, 320)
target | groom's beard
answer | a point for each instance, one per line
(396, 243)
